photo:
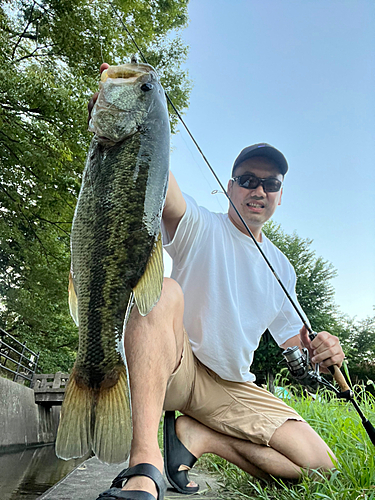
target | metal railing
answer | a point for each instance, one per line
(16, 358)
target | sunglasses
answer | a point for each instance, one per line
(251, 181)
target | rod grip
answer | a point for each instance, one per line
(339, 377)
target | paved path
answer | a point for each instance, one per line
(93, 477)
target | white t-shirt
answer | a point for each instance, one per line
(231, 296)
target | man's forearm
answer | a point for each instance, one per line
(175, 206)
(296, 340)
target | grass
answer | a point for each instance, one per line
(340, 426)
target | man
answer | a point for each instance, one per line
(225, 296)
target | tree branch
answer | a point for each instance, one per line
(52, 223)
(24, 31)
(33, 53)
(16, 157)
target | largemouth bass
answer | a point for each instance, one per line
(116, 250)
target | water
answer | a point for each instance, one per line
(28, 474)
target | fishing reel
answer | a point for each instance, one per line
(300, 367)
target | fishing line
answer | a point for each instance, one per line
(98, 19)
(201, 170)
(303, 319)
(334, 369)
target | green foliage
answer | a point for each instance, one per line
(314, 274)
(358, 341)
(341, 428)
(314, 291)
(49, 68)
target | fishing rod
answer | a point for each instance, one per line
(303, 319)
(346, 393)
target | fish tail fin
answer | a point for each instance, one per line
(74, 432)
(148, 289)
(112, 433)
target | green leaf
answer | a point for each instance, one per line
(51, 51)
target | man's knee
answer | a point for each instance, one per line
(170, 303)
(172, 293)
(302, 445)
(170, 306)
(162, 326)
(166, 315)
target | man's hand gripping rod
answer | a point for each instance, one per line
(334, 369)
(299, 366)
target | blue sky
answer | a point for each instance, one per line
(299, 75)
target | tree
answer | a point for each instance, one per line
(314, 290)
(49, 61)
(358, 341)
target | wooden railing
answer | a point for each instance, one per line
(16, 358)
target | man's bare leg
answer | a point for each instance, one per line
(293, 446)
(153, 348)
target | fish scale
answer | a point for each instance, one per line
(116, 251)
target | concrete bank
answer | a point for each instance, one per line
(91, 478)
(22, 422)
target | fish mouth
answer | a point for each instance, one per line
(130, 71)
(128, 118)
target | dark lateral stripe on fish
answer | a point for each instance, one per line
(96, 302)
(138, 260)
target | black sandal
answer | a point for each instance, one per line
(175, 456)
(147, 470)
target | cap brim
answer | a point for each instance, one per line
(266, 152)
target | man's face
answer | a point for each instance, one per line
(255, 205)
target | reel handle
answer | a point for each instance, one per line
(339, 377)
(334, 369)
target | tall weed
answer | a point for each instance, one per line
(338, 423)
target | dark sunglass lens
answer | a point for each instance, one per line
(249, 181)
(272, 185)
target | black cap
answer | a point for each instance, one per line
(264, 150)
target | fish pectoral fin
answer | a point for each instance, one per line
(73, 301)
(148, 289)
(74, 432)
(113, 423)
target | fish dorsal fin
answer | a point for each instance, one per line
(148, 289)
(73, 301)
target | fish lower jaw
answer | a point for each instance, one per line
(105, 140)
(112, 141)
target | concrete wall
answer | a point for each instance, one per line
(22, 422)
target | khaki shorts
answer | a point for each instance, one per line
(239, 409)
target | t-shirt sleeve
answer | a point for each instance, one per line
(188, 233)
(287, 324)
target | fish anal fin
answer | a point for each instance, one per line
(113, 422)
(148, 289)
(73, 301)
(74, 432)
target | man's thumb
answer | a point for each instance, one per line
(304, 334)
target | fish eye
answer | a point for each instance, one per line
(146, 87)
